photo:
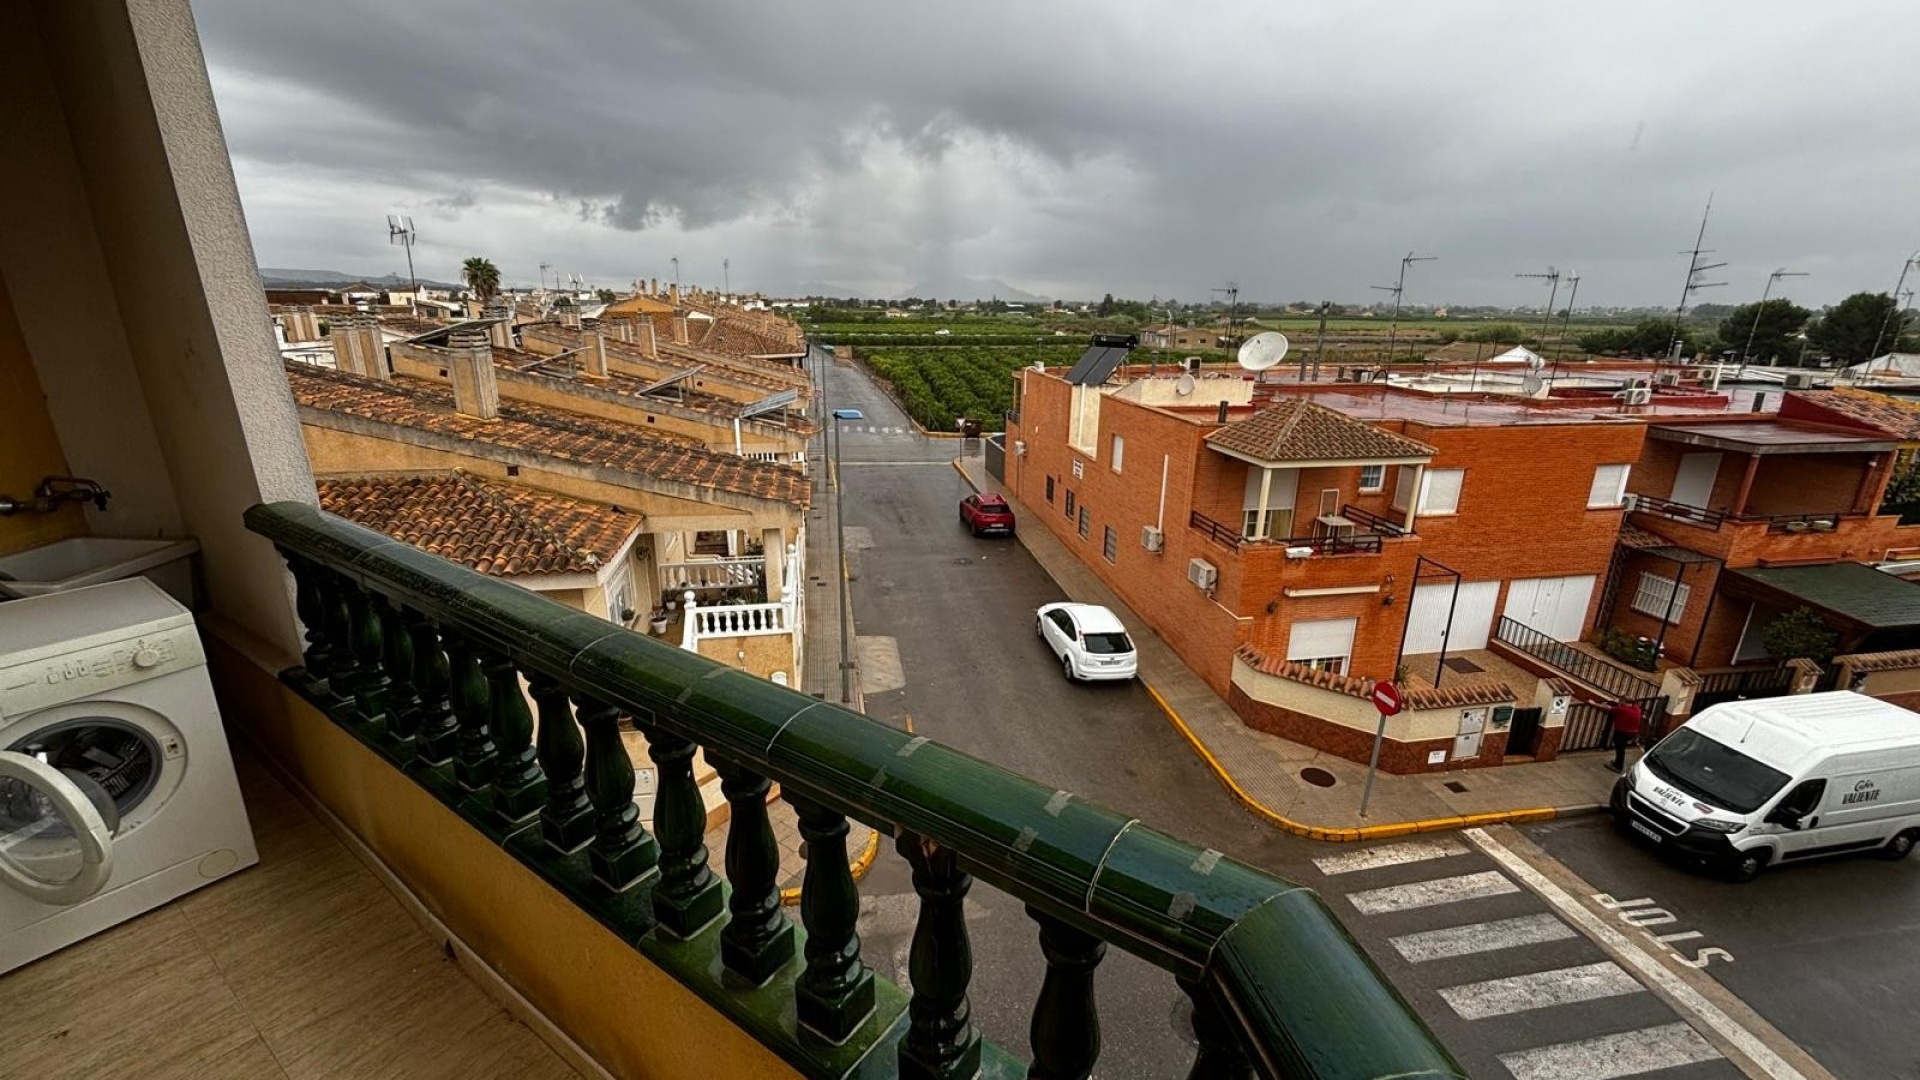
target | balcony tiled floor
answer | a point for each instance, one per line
(301, 968)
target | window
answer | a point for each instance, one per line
(1279, 522)
(1049, 491)
(1654, 593)
(1086, 522)
(1440, 491)
(1119, 452)
(1070, 504)
(1403, 487)
(1373, 477)
(1108, 643)
(1609, 487)
(1324, 644)
(1110, 544)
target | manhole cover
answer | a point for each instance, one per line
(1456, 787)
(1317, 777)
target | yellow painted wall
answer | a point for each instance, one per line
(29, 447)
(764, 654)
(633, 1018)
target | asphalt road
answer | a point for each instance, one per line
(1828, 952)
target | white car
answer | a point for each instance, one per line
(1088, 640)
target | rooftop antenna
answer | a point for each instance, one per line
(400, 231)
(1262, 351)
(1746, 354)
(1399, 287)
(1551, 277)
(676, 272)
(726, 276)
(544, 267)
(1573, 278)
(1912, 261)
(1232, 289)
(1694, 269)
(1319, 343)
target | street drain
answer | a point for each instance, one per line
(1317, 777)
(1456, 787)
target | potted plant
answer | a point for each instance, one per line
(658, 622)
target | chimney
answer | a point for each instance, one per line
(680, 329)
(570, 317)
(1222, 418)
(649, 347)
(470, 368)
(673, 296)
(500, 334)
(595, 358)
(623, 330)
(358, 348)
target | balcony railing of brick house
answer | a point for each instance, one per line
(1810, 521)
(1372, 522)
(1354, 543)
(421, 660)
(1615, 680)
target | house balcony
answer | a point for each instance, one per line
(518, 822)
(1344, 537)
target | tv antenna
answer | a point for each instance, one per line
(1573, 278)
(1694, 269)
(726, 276)
(1746, 354)
(400, 231)
(1262, 351)
(1398, 288)
(576, 281)
(1551, 277)
(1232, 289)
(1912, 261)
(544, 267)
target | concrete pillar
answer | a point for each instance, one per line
(680, 329)
(594, 360)
(500, 334)
(470, 369)
(649, 348)
(773, 548)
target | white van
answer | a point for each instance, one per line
(1746, 784)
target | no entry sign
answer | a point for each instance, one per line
(1386, 698)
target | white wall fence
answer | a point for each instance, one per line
(712, 574)
(782, 616)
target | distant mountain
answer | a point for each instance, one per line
(280, 278)
(956, 287)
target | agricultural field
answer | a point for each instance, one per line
(936, 385)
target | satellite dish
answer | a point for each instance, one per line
(1532, 385)
(1262, 351)
(1185, 386)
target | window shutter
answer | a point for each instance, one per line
(1314, 639)
(1442, 491)
(1609, 486)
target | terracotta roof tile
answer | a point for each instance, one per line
(1891, 416)
(1884, 661)
(1632, 536)
(501, 529)
(1300, 430)
(555, 433)
(1413, 697)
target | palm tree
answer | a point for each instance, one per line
(482, 277)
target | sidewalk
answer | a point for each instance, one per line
(1265, 772)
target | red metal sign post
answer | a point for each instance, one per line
(1386, 698)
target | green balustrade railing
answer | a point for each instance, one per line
(421, 660)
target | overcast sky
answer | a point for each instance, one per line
(1077, 148)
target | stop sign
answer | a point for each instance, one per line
(1386, 697)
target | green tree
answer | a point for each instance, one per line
(1106, 306)
(606, 296)
(1800, 634)
(1648, 337)
(1903, 493)
(1848, 330)
(482, 277)
(1497, 334)
(1779, 321)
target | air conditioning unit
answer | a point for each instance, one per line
(1201, 573)
(1364, 375)
(1152, 538)
(1638, 395)
(1630, 501)
(1191, 365)
(1799, 380)
(1019, 448)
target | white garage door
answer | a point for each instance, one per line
(1472, 617)
(1555, 606)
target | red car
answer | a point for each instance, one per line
(986, 513)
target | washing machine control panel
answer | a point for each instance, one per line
(98, 668)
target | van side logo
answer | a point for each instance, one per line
(1863, 792)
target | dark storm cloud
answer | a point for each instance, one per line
(1080, 148)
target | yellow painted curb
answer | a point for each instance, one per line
(1336, 834)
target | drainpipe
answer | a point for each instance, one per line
(1746, 485)
(736, 438)
(1160, 518)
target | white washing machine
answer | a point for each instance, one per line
(117, 791)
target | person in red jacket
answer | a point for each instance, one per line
(1625, 718)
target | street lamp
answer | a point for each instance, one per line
(840, 543)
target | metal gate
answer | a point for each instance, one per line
(1739, 684)
(1589, 728)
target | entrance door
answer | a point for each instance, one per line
(1693, 483)
(1524, 736)
(55, 845)
(1472, 617)
(1556, 606)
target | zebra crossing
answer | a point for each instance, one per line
(1488, 961)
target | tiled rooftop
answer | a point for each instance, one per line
(1891, 416)
(1301, 430)
(495, 528)
(567, 436)
(770, 377)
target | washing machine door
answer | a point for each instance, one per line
(55, 844)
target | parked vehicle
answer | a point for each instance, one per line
(986, 513)
(1748, 784)
(1088, 640)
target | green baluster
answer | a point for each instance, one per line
(518, 786)
(566, 821)
(368, 646)
(343, 668)
(688, 897)
(1219, 1056)
(835, 993)
(436, 730)
(473, 756)
(941, 1043)
(311, 607)
(403, 699)
(622, 854)
(1065, 1033)
(758, 939)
